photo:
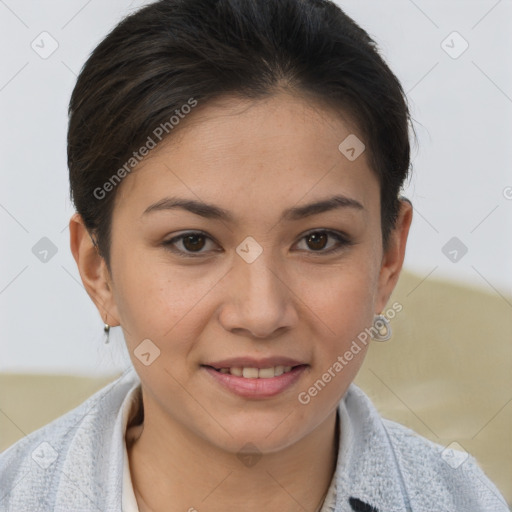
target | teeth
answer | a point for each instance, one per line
(255, 373)
(265, 373)
(250, 373)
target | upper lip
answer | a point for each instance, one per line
(251, 362)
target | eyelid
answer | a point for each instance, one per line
(343, 240)
(168, 244)
(325, 230)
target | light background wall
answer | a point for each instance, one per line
(461, 185)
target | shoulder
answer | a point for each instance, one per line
(429, 475)
(452, 475)
(32, 468)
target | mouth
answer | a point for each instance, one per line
(254, 383)
(248, 372)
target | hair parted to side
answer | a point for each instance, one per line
(171, 51)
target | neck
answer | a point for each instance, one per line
(171, 465)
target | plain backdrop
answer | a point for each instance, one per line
(452, 58)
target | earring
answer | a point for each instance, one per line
(106, 330)
(381, 327)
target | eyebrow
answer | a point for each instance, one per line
(211, 211)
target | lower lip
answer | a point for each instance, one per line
(257, 388)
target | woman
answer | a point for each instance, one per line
(236, 169)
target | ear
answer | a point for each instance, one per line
(393, 258)
(93, 270)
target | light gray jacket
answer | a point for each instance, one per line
(75, 463)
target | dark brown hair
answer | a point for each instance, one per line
(170, 52)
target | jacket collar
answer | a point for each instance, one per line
(98, 431)
(367, 475)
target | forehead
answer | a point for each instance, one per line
(241, 152)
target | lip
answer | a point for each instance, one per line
(257, 388)
(251, 362)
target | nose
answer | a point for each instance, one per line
(259, 302)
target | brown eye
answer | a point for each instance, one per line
(189, 244)
(193, 242)
(317, 241)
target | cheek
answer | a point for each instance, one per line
(159, 300)
(342, 297)
(342, 308)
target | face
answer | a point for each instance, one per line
(258, 277)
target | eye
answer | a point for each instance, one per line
(192, 242)
(317, 240)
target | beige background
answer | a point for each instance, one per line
(446, 373)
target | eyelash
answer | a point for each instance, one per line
(343, 240)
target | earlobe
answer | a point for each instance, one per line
(393, 258)
(93, 270)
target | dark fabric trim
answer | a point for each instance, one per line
(361, 506)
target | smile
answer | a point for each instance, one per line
(256, 373)
(256, 383)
